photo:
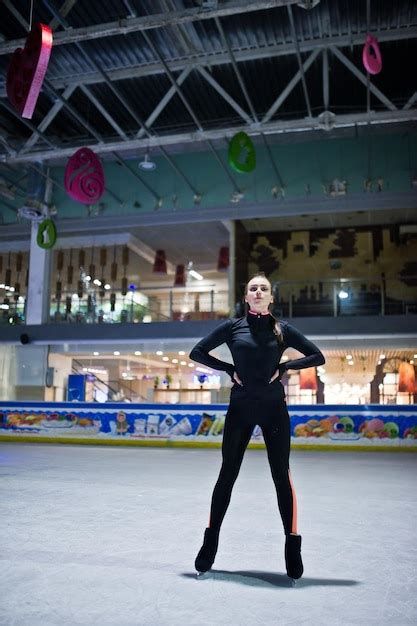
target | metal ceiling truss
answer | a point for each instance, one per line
(62, 101)
(253, 126)
(169, 18)
(49, 117)
(300, 65)
(223, 58)
(236, 69)
(271, 128)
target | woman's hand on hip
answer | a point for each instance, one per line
(278, 373)
(237, 379)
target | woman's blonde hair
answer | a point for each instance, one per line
(275, 323)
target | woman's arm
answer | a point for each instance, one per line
(294, 339)
(200, 352)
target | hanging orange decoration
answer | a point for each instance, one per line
(308, 379)
(406, 377)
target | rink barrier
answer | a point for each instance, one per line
(313, 427)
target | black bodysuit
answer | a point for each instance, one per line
(256, 352)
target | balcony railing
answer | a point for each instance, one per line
(345, 297)
(326, 298)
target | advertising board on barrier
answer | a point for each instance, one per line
(371, 426)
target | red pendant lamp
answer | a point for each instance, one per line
(160, 263)
(223, 260)
(179, 276)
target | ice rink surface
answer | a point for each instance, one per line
(108, 535)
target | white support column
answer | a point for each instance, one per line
(37, 301)
(40, 262)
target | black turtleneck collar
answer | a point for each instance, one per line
(257, 321)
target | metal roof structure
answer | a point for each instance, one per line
(176, 75)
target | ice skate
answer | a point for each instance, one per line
(205, 557)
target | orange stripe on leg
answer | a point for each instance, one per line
(294, 506)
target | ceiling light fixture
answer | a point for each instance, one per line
(147, 165)
(196, 275)
(192, 272)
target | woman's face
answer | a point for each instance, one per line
(258, 294)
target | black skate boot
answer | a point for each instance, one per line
(293, 561)
(205, 558)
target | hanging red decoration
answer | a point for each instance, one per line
(406, 377)
(27, 70)
(223, 260)
(160, 263)
(84, 177)
(179, 276)
(371, 55)
(308, 379)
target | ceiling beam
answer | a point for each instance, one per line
(226, 96)
(292, 207)
(147, 22)
(173, 81)
(223, 58)
(49, 117)
(63, 12)
(300, 64)
(164, 102)
(103, 111)
(356, 72)
(236, 70)
(16, 14)
(288, 89)
(272, 128)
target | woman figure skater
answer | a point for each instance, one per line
(257, 342)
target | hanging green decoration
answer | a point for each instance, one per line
(242, 154)
(46, 237)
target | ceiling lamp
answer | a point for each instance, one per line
(179, 276)
(192, 272)
(223, 260)
(147, 165)
(160, 263)
(196, 275)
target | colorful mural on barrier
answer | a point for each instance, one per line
(371, 425)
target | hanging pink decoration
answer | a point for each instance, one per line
(27, 70)
(371, 55)
(84, 177)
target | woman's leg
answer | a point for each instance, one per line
(277, 441)
(236, 436)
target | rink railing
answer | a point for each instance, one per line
(342, 427)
